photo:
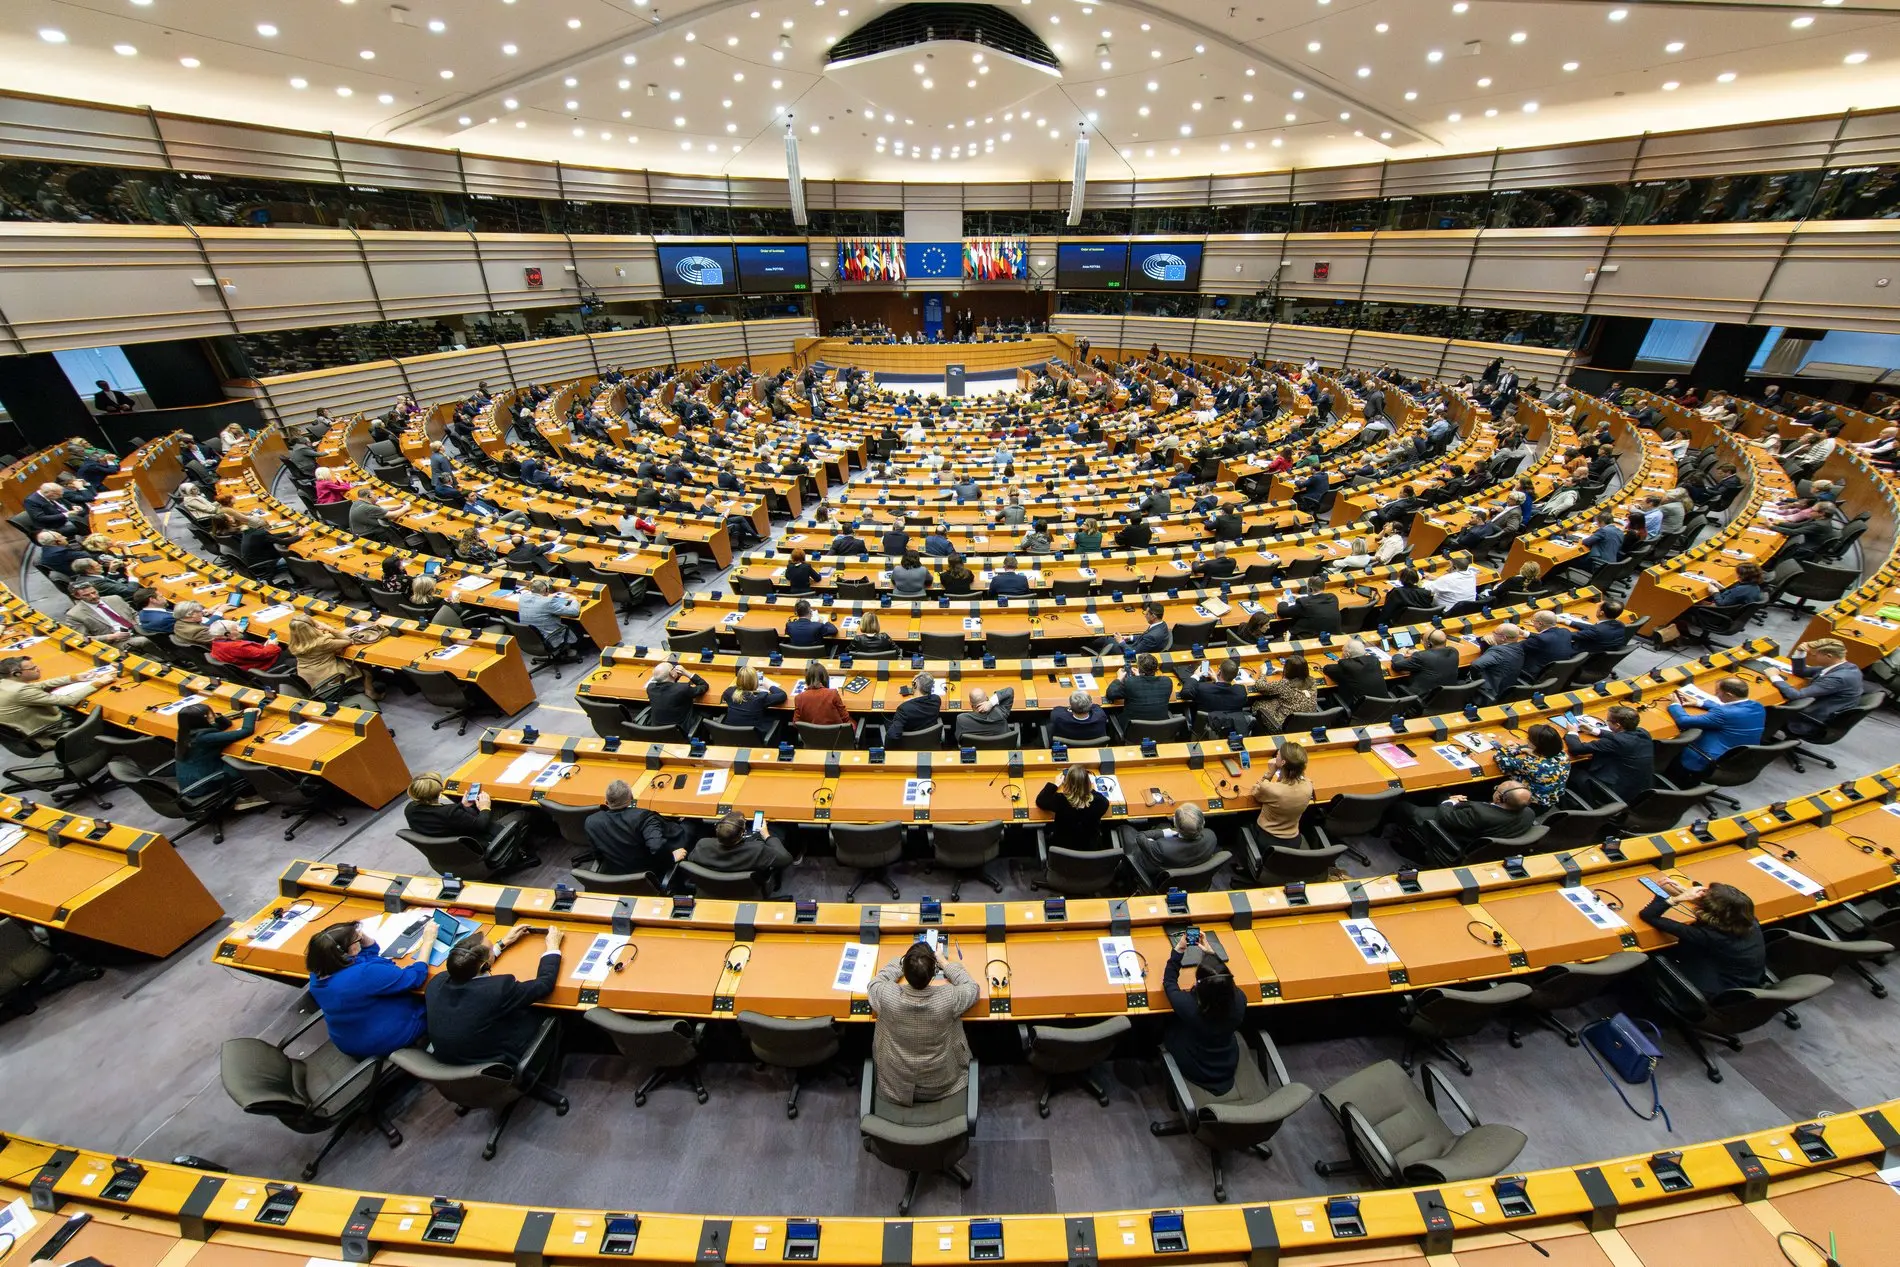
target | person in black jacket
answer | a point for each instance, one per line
(748, 702)
(1145, 692)
(626, 839)
(1622, 759)
(478, 1018)
(1135, 535)
(429, 813)
(1509, 812)
(735, 847)
(922, 707)
(1431, 666)
(1077, 807)
(1203, 1029)
(1720, 946)
(1220, 692)
(1407, 593)
(1314, 612)
(670, 694)
(1356, 674)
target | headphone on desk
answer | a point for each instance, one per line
(613, 956)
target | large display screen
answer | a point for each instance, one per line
(774, 269)
(704, 268)
(1091, 265)
(1164, 266)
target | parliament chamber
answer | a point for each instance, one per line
(1225, 709)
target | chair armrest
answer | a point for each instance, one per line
(1370, 1149)
(204, 789)
(1022, 1034)
(346, 1088)
(1250, 851)
(1263, 1041)
(1042, 845)
(1675, 991)
(1436, 1084)
(1183, 1093)
(546, 1033)
(970, 1104)
(867, 1088)
(1439, 843)
(302, 1029)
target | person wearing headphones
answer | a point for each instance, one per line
(1203, 1029)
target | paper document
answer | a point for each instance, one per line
(275, 932)
(1787, 875)
(1091, 620)
(525, 767)
(184, 701)
(1250, 607)
(1372, 944)
(972, 624)
(856, 964)
(1455, 756)
(297, 732)
(10, 835)
(1122, 961)
(1891, 1174)
(553, 774)
(713, 782)
(447, 653)
(1084, 681)
(472, 582)
(17, 1220)
(266, 614)
(917, 792)
(595, 963)
(1592, 908)
(1394, 755)
(1110, 785)
(215, 587)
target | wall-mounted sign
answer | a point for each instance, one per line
(533, 276)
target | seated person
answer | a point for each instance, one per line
(1509, 812)
(918, 1049)
(547, 612)
(1501, 664)
(1219, 698)
(870, 639)
(1622, 759)
(735, 847)
(922, 707)
(429, 813)
(1356, 674)
(1155, 637)
(1734, 720)
(1744, 590)
(1548, 643)
(1081, 720)
(1433, 664)
(371, 1005)
(1719, 946)
(202, 738)
(479, 1017)
(1144, 691)
(910, 578)
(628, 840)
(800, 576)
(1542, 764)
(1832, 682)
(1407, 593)
(848, 544)
(1606, 633)
(671, 691)
(1313, 612)
(803, 631)
(1008, 582)
(1077, 807)
(956, 577)
(749, 701)
(987, 714)
(1186, 842)
(1522, 587)
(1283, 794)
(1204, 1023)
(1215, 566)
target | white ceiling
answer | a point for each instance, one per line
(704, 86)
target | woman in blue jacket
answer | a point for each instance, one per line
(371, 1005)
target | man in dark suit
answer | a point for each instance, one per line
(1312, 491)
(734, 847)
(1156, 637)
(1227, 524)
(48, 510)
(110, 400)
(1622, 759)
(1145, 692)
(1433, 665)
(1218, 693)
(849, 543)
(1508, 813)
(988, 712)
(1187, 842)
(802, 631)
(1217, 566)
(478, 1018)
(1009, 582)
(1549, 642)
(1606, 633)
(1312, 613)
(627, 839)
(670, 694)
(1828, 679)
(256, 547)
(896, 540)
(1356, 674)
(1407, 593)
(1501, 663)
(922, 707)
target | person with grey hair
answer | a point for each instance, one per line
(1356, 674)
(105, 617)
(1501, 663)
(626, 839)
(1186, 842)
(1081, 721)
(547, 612)
(987, 713)
(671, 691)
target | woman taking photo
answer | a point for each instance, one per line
(1283, 795)
(1544, 766)
(1203, 1029)
(371, 1005)
(202, 738)
(1277, 699)
(1077, 808)
(748, 703)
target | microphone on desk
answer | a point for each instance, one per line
(1438, 1203)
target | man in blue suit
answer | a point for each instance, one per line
(1009, 582)
(1549, 642)
(1833, 684)
(1312, 492)
(1734, 720)
(1606, 633)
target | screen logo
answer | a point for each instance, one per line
(699, 270)
(1163, 267)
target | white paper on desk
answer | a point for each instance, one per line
(1250, 607)
(1110, 785)
(1698, 695)
(1592, 908)
(730, 618)
(1891, 1174)
(596, 963)
(1454, 756)
(525, 767)
(713, 782)
(1786, 874)
(17, 1220)
(1476, 742)
(917, 792)
(342, 549)
(1084, 681)
(182, 702)
(1087, 574)
(276, 932)
(214, 588)
(24, 643)
(297, 732)
(277, 612)
(1876, 622)
(553, 774)
(10, 835)
(447, 653)
(1091, 620)
(1371, 943)
(472, 583)
(856, 963)
(1121, 961)
(849, 624)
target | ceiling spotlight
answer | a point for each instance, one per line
(341, 92)
(1290, 116)
(1518, 37)
(52, 35)
(691, 36)
(1530, 107)
(738, 76)
(732, 41)
(1344, 115)
(509, 50)
(571, 105)
(447, 74)
(1312, 46)
(1411, 96)
(1382, 28)
(1385, 136)
(573, 24)
(125, 50)
(1101, 92)
(1436, 55)
(1492, 113)
(1617, 15)
(1570, 65)
(673, 94)
(624, 84)
(368, 54)
(298, 82)
(1802, 23)
(778, 83)
(1854, 59)
(1153, 86)
(266, 30)
(580, 131)
(928, 84)
(387, 99)
(1194, 105)
(192, 63)
(1246, 96)
(1726, 77)
(1671, 86)
(679, 121)
(1143, 112)
(1276, 141)
(1673, 46)
(571, 82)
(1485, 82)
(1299, 94)
(1460, 7)
(626, 114)
(437, 26)
(628, 59)
(1454, 117)
(679, 61)
(465, 120)
(1365, 72)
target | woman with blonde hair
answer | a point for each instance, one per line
(1283, 795)
(1077, 808)
(1516, 589)
(331, 488)
(1358, 557)
(748, 702)
(319, 660)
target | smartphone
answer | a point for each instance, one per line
(758, 823)
(473, 793)
(1192, 936)
(1655, 886)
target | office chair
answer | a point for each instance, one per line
(1007, 646)
(1873, 918)
(869, 849)
(539, 652)
(822, 737)
(631, 883)
(1663, 808)
(75, 766)
(322, 1090)
(1190, 633)
(736, 886)
(640, 731)
(1071, 1053)
(1003, 739)
(1075, 872)
(497, 1085)
(1728, 1015)
(30, 969)
(1443, 851)
(1833, 730)
(941, 646)
(203, 803)
(1793, 954)
(1171, 729)
(446, 691)
(1247, 1116)
(1742, 765)
(1302, 723)
(468, 857)
(966, 848)
(923, 739)
(1579, 828)
(801, 1044)
(1354, 814)
(671, 1047)
(299, 797)
(1376, 709)
(756, 642)
(1566, 985)
(729, 735)
(1432, 1018)
(1395, 1133)
(926, 1135)
(1269, 862)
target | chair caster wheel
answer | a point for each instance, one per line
(1042, 1110)
(639, 1100)
(1464, 1067)
(93, 974)
(488, 1152)
(1516, 1040)
(1715, 1075)
(702, 1096)
(560, 1110)
(1220, 1192)
(461, 1110)
(395, 1139)
(792, 1113)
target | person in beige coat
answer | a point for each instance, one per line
(918, 1048)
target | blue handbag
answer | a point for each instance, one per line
(1629, 1047)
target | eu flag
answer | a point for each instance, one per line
(924, 260)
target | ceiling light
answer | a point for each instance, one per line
(1854, 59)
(679, 61)
(1312, 46)
(1224, 147)
(1101, 92)
(1299, 94)
(1382, 28)
(1436, 55)
(686, 145)
(778, 54)
(448, 74)
(626, 114)
(738, 76)
(1411, 96)
(1460, 7)
(982, 70)
(1726, 77)
(1454, 117)
(1290, 116)
(571, 82)
(969, 83)
(571, 105)
(341, 91)
(732, 127)
(1107, 35)
(1671, 86)
(673, 94)
(1365, 72)
(1276, 140)
(1673, 46)
(465, 120)
(813, 129)
(1518, 37)
(726, 103)
(1200, 48)
(1570, 65)
(624, 84)
(125, 50)
(679, 121)
(786, 25)
(928, 84)
(190, 63)
(778, 83)
(1530, 107)
(573, 24)
(1385, 136)
(1246, 96)
(1802, 23)
(628, 59)
(1107, 65)
(732, 41)
(1153, 86)
(691, 36)
(266, 30)
(521, 123)
(1143, 112)
(1491, 113)
(580, 131)
(1617, 15)
(437, 26)
(1485, 82)
(298, 82)
(52, 35)
(1344, 115)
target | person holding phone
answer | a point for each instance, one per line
(1719, 944)
(918, 1048)
(371, 1004)
(476, 1017)
(1203, 1029)
(430, 813)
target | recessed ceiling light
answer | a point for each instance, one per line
(1194, 105)
(521, 123)
(691, 36)
(437, 26)
(125, 50)
(1617, 15)
(679, 121)
(1224, 147)
(1153, 86)
(52, 35)
(1247, 97)
(786, 25)
(1491, 113)
(626, 114)
(1101, 92)
(1485, 82)
(387, 99)
(1290, 116)
(813, 129)
(266, 30)
(1382, 28)
(1299, 94)
(1530, 107)
(1518, 37)
(1674, 46)
(571, 105)
(1570, 65)
(465, 120)
(679, 61)
(738, 76)
(1454, 117)
(1460, 7)
(1436, 55)
(571, 82)
(1726, 77)
(1155, 53)
(1344, 115)
(345, 92)
(1411, 96)
(1312, 46)
(190, 63)
(1802, 23)
(447, 74)
(368, 54)
(1854, 59)
(1671, 86)
(1365, 72)
(1200, 48)
(573, 24)
(628, 59)
(299, 82)
(928, 84)
(623, 84)
(1143, 112)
